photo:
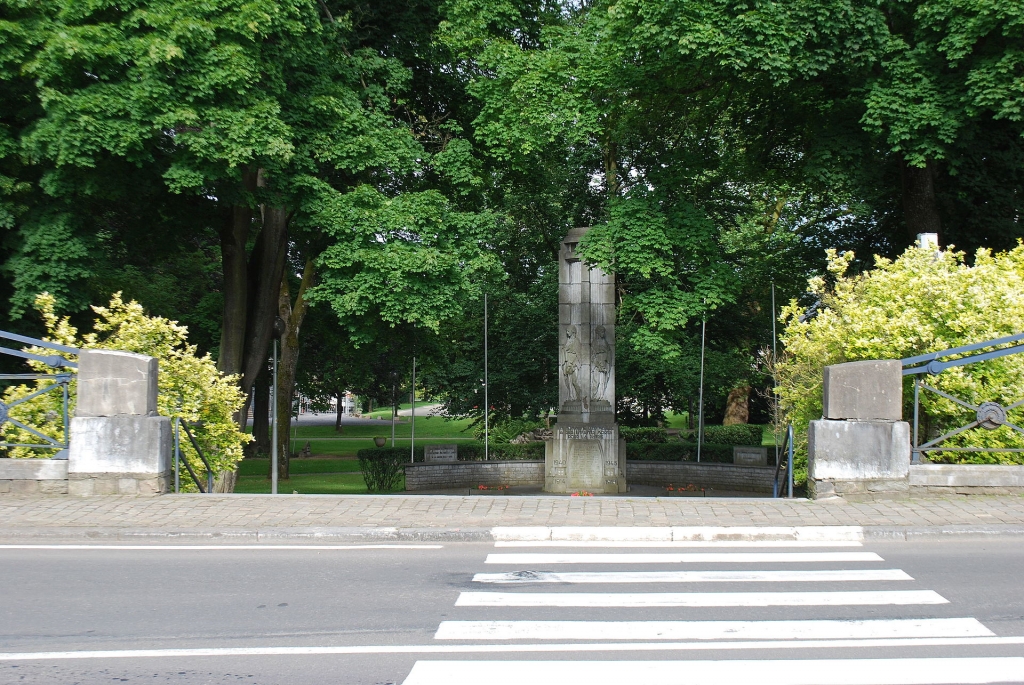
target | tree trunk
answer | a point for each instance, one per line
(233, 236)
(920, 209)
(737, 406)
(292, 315)
(340, 406)
(261, 414)
(266, 267)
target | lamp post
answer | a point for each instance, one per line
(412, 417)
(700, 401)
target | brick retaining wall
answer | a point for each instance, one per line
(708, 475)
(469, 474)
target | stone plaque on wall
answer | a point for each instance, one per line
(750, 456)
(440, 453)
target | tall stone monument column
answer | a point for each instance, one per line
(585, 452)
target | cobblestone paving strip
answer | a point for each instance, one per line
(244, 514)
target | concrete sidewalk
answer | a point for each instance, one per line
(332, 518)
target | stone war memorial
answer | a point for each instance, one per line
(585, 451)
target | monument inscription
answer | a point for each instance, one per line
(441, 453)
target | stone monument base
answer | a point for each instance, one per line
(585, 456)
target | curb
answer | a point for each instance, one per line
(368, 535)
(244, 535)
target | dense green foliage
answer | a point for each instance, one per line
(649, 434)
(678, 451)
(408, 157)
(736, 434)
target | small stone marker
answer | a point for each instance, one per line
(440, 453)
(750, 456)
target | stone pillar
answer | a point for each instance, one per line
(861, 446)
(585, 452)
(119, 445)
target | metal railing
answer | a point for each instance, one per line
(987, 415)
(787, 447)
(60, 382)
(179, 459)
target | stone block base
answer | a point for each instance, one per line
(88, 484)
(120, 444)
(858, 459)
(869, 489)
(33, 487)
(33, 476)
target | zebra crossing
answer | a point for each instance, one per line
(661, 611)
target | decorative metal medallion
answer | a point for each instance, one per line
(991, 415)
(3, 413)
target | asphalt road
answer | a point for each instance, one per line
(897, 612)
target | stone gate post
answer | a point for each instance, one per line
(119, 445)
(861, 445)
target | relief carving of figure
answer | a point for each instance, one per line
(601, 362)
(571, 353)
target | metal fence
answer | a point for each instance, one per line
(59, 382)
(988, 415)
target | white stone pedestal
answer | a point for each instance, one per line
(582, 456)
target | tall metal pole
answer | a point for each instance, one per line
(915, 456)
(775, 384)
(412, 418)
(273, 424)
(700, 401)
(394, 412)
(177, 452)
(789, 463)
(487, 402)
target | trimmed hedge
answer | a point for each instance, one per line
(474, 451)
(678, 451)
(643, 434)
(468, 451)
(737, 434)
(382, 467)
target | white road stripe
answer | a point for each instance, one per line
(656, 544)
(688, 558)
(520, 648)
(697, 599)
(712, 630)
(223, 547)
(939, 671)
(691, 576)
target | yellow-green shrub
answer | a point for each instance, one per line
(924, 301)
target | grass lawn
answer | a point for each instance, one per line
(386, 411)
(310, 484)
(426, 427)
(261, 467)
(324, 441)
